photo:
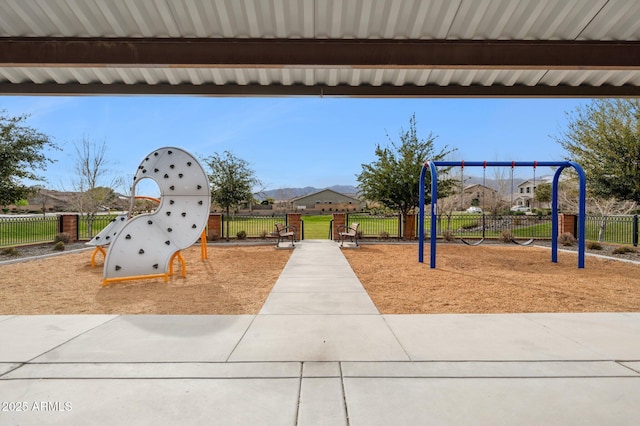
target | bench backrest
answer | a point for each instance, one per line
(279, 228)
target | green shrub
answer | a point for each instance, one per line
(471, 225)
(593, 245)
(506, 236)
(63, 237)
(567, 239)
(241, 235)
(59, 246)
(623, 250)
(448, 236)
(10, 251)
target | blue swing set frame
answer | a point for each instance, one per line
(432, 166)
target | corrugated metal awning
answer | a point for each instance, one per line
(321, 47)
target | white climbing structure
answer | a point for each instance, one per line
(145, 244)
(108, 233)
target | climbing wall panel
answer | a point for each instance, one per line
(146, 243)
(109, 232)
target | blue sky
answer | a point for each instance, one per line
(291, 142)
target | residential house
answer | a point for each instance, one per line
(479, 195)
(326, 201)
(524, 195)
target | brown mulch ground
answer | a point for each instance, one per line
(237, 280)
(233, 280)
(493, 279)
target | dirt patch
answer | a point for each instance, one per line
(233, 280)
(237, 280)
(493, 279)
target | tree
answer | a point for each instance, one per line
(543, 192)
(232, 181)
(604, 138)
(394, 178)
(21, 154)
(91, 170)
(604, 208)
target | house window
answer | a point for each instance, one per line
(522, 190)
(528, 189)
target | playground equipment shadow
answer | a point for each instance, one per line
(319, 352)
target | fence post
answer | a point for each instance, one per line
(69, 223)
(214, 225)
(568, 223)
(635, 230)
(410, 227)
(339, 219)
(295, 219)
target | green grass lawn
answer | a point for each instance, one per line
(25, 231)
(15, 231)
(468, 225)
(254, 226)
(316, 227)
(376, 226)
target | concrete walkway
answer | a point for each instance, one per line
(319, 353)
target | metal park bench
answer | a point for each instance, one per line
(285, 232)
(350, 231)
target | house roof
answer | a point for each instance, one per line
(540, 179)
(421, 48)
(314, 194)
(482, 187)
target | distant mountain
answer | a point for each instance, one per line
(288, 193)
(492, 183)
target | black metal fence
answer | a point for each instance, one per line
(253, 226)
(381, 226)
(21, 230)
(89, 226)
(27, 230)
(618, 229)
(490, 226)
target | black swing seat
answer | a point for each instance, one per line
(481, 240)
(475, 243)
(522, 243)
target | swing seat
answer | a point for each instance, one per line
(475, 243)
(481, 240)
(522, 243)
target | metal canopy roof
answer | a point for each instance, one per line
(321, 47)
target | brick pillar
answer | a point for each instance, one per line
(339, 219)
(410, 227)
(69, 223)
(295, 219)
(214, 225)
(567, 223)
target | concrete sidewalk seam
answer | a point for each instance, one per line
(53, 348)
